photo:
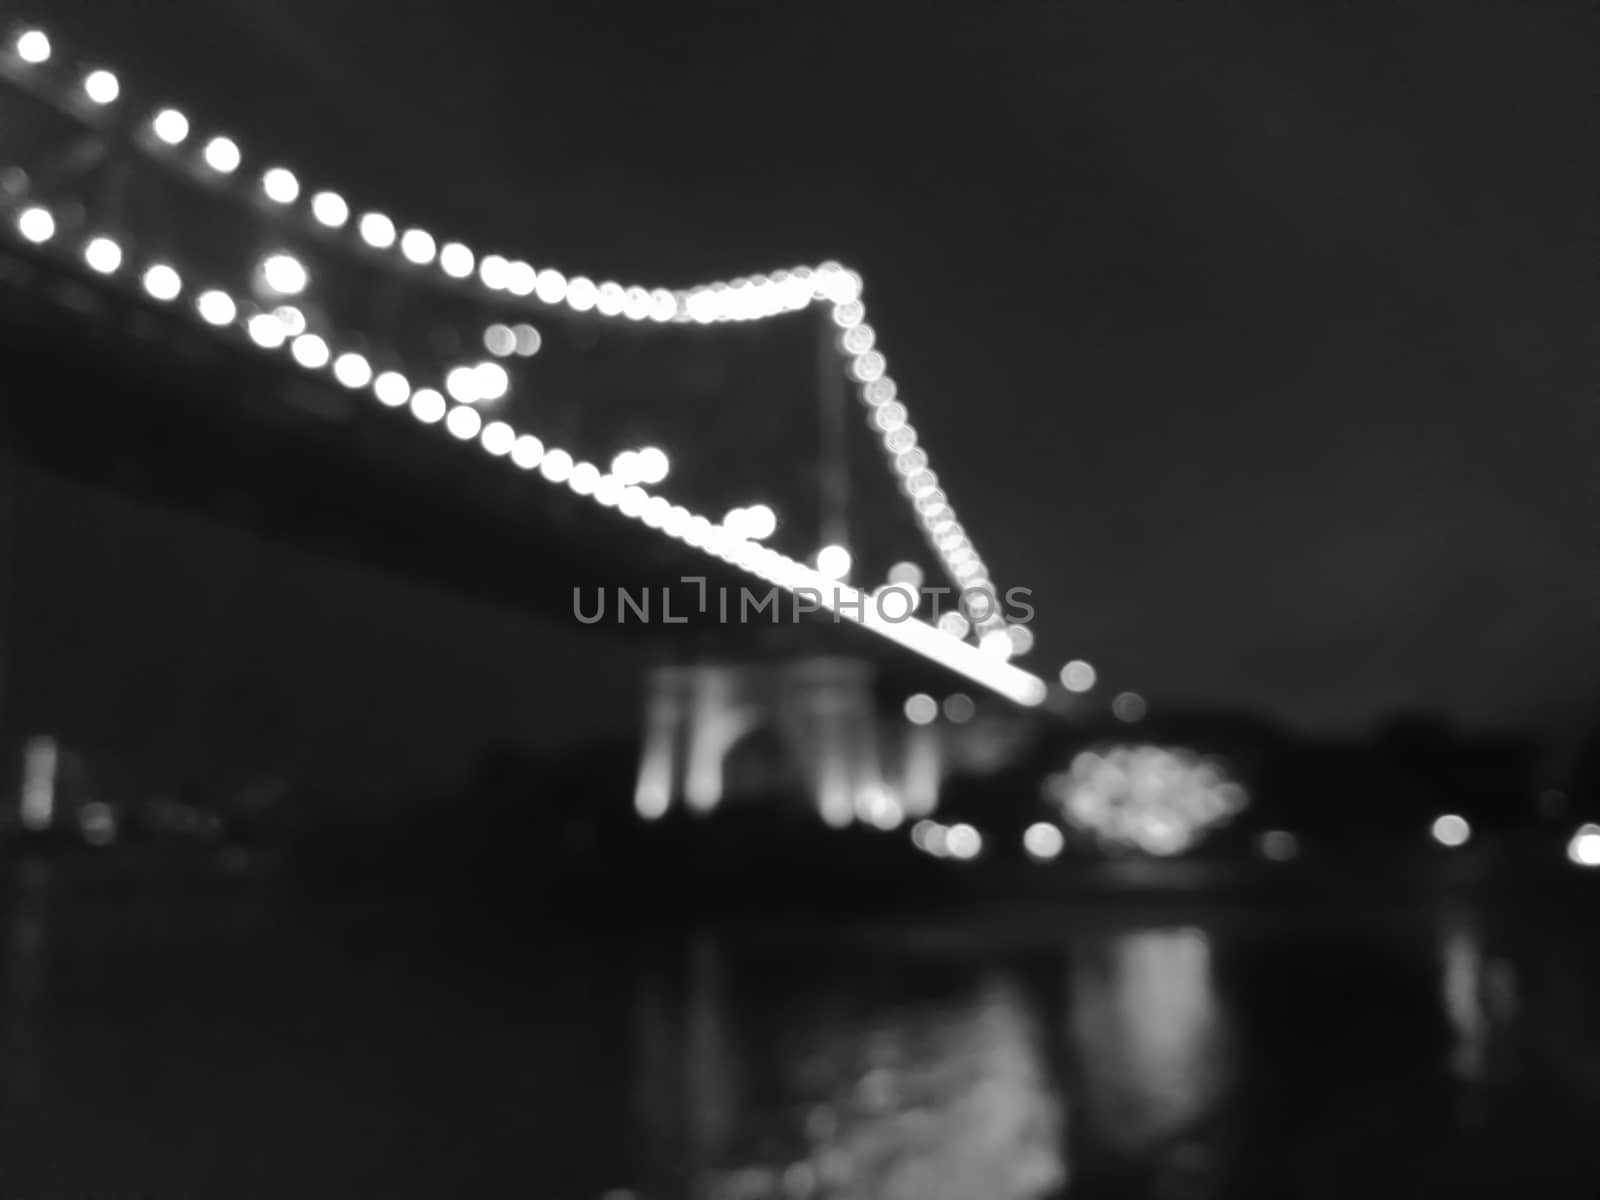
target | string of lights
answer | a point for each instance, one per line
(170, 134)
(285, 329)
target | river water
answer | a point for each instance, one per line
(256, 1046)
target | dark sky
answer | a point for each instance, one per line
(1261, 347)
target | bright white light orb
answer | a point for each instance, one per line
(833, 562)
(352, 370)
(906, 574)
(1584, 848)
(963, 842)
(376, 230)
(1043, 841)
(216, 308)
(170, 126)
(280, 185)
(653, 466)
(162, 282)
(455, 260)
(997, 642)
(464, 422)
(266, 331)
(498, 438)
(36, 225)
(418, 246)
(625, 467)
(954, 624)
(528, 452)
(556, 466)
(284, 274)
(222, 155)
(427, 406)
(584, 479)
(392, 389)
(291, 318)
(922, 709)
(103, 255)
(33, 47)
(492, 380)
(101, 87)
(462, 385)
(499, 341)
(1077, 676)
(1451, 830)
(528, 340)
(760, 522)
(330, 209)
(310, 351)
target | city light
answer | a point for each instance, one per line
(392, 389)
(1451, 830)
(653, 466)
(352, 370)
(455, 260)
(1148, 798)
(330, 209)
(1584, 848)
(216, 308)
(1129, 707)
(1043, 841)
(418, 246)
(376, 230)
(922, 709)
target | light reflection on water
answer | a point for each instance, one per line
(1455, 1054)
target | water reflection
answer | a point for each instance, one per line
(885, 1096)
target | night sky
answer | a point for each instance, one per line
(1262, 349)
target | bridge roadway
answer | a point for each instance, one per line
(105, 388)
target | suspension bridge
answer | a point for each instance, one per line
(533, 430)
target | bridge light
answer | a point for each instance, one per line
(1021, 638)
(266, 331)
(498, 438)
(284, 274)
(462, 385)
(1129, 707)
(162, 282)
(492, 380)
(376, 230)
(528, 340)
(36, 224)
(959, 708)
(625, 467)
(291, 318)
(585, 478)
(464, 422)
(528, 452)
(352, 370)
(101, 87)
(103, 255)
(392, 389)
(330, 209)
(418, 246)
(610, 299)
(499, 340)
(653, 466)
(551, 287)
(833, 562)
(455, 260)
(556, 466)
(760, 522)
(280, 185)
(33, 47)
(963, 842)
(663, 305)
(495, 272)
(906, 574)
(427, 406)
(521, 279)
(216, 308)
(955, 624)
(922, 709)
(170, 126)
(582, 295)
(310, 351)
(1077, 676)
(1043, 841)
(222, 155)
